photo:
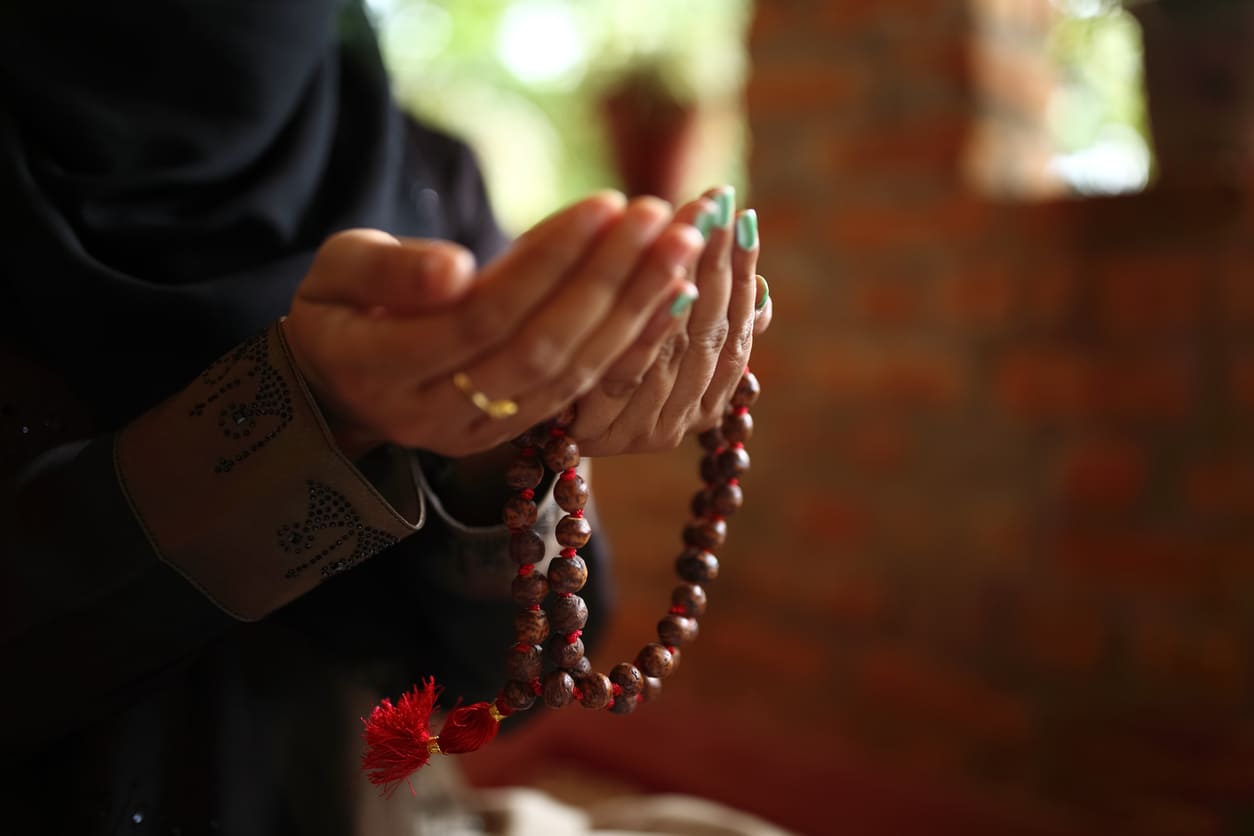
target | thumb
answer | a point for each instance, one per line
(372, 270)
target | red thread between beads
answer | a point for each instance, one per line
(733, 482)
(739, 445)
(535, 608)
(522, 647)
(577, 694)
(741, 410)
(568, 474)
(557, 432)
(616, 688)
(571, 638)
(527, 493)
(677, 610)
(526, 569)
(568, 552)
(536, 687)
(577, 514)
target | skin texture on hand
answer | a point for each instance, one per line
(579, 309)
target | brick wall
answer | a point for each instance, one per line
(995, 570)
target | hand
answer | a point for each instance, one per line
(661, 389)
(379, 326)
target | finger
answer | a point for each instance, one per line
(662, 268)
(740, 316)
(764, 308)
(708, 324)
(368, 269)
(631, 366)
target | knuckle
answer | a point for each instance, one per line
(673, 348)
(620, 387)
(710, 340)
(538, 357)
(485, 323)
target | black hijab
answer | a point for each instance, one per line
(167, 170)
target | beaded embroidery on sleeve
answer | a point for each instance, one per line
(547, 661)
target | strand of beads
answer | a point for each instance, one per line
(555, 634)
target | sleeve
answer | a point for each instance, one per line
(124, 554)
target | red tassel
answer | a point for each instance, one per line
(469, 728)
(397, 737)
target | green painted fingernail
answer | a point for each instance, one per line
(747, 229)
(725, 200)
(705, 221)
(765, 294)
(684, 300)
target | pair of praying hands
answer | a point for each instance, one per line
(593, 306)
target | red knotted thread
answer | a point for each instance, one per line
(396, 737)
(468, 728)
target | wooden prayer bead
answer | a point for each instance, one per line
(530, 438)
(525, 472)
(568, 613)
(530, 589)
(531, 626)
(726, 499)
(702, 503)
(652, 689)
(581, 668)
(597, 691)
(710, 471)
(627, 677)
(706, 534)
(747, 391)
(526, 547)
(697, 566)
(677, 630)
(712, 439)
(732, 462)
(571, 494)
(737, 427)
(524, 663)
(565, 418)
(561, 454)
(573, 532)
(518, 695)
(691, 598)
(567, 574)
(519, 513)
(562, 653)
(559, 689)
(654, 660)
(623, 704)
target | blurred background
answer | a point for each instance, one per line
(994, 573)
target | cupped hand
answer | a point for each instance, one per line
(679, 376)
(379, 327)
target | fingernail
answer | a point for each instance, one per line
(747, 229)
(725, 200)
(684, 300)
(705, 221)
(764, 293)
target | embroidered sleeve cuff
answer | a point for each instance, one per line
(240, 487)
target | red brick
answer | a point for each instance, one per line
(1108, 473)
(980, 296)
(870, 374)
(917, 690)
(1151, 295)
(887, 302)
(1241, 382)
(1236, 291)
(802, 89)
(1056, 382)
(1068, 637)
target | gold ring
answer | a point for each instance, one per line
(493, 409)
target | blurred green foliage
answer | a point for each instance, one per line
(1100, 103)
(521, 79)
